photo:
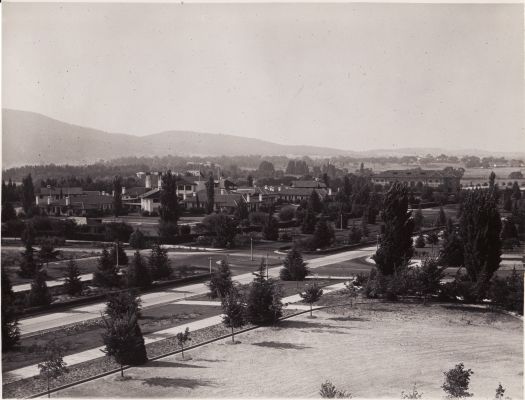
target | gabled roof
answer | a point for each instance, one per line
(151, 194)
(301, 192)
(135, 191)
(413, 173)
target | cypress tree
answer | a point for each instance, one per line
(169, 209)
(8, 212)
(418, 219)
(28, 264)
(314, 202)
(480, 227)
(294, 267)
(10, 330)
(159, 263)
(441, 219)
(28, 194)
(323, 235)
(210, 193)
(452, 252)
(138, 274)
(47, 252)
(72, 283)
(270, 228)
(137, 240)
(122, 256)
(309, 220)
(117, 196)
(395, 249)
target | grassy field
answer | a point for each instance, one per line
(376, 350)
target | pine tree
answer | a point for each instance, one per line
(311, 295)
(47, 252)
(159, 263)
(264, 304)
(221, 282)
(138, 273)
(323, 235)
(210, 193)
(233, 307)
(8, 212)
(355, 235)
(182, 338)
(516, 192)
(28, 234)
(395, 249)
(270, 228)
(480, 227)
(117, 196)
(364, 224)
(39, 294)
(28, 265)
(309, 220)
(294, 268)
(137, 240)
(107, 273)
(72, 283)
(10, 330)
(120, 303)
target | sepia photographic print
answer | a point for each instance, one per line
(262, 200)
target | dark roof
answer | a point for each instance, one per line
(222, 200)
(414, 173)
(308, 184)
(151, 194)
(56, 191)
(301, 192)
(135, 191)
(89, 201)
(185, 181)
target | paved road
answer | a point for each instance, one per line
(79, 314)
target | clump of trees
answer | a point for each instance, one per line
(107, 273)
(457, 381)
(223, 227)
(159, 263)
(138, 274)
(10, 329)
(329, 391)
(39, 294)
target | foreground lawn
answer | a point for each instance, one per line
(374, 350)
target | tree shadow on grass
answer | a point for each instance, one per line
(176, 382)
(308, 325)
(281, 345)
(168, 364)
(349, 318)
(470, 309)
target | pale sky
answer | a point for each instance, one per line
(350, 76)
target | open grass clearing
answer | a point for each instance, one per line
(374, 350)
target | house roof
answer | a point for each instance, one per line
(413, 173)
(151, 194)
(308, 184)
(75, 191)
(135, 191)
(89, 201)
(301, 192)
(222, 200)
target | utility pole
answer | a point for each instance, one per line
(251, 248)
(209, 258)
(267, 264)
(116, 251)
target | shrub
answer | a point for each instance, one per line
(329, 391)
(138, 274)
(185, 229)
(508, 292)
(137, 240)
(72, 283)
(39, 294)
(428, 277)
(263, 304)
(420, 241)
(354, 235)
(312, 294)
(159, 263)
(500, 392)
(182, 338)
(457, 381)
(221, 282)
(145, 213)
(285, 237)
(154, 214)
(287, 213)
(414, 394)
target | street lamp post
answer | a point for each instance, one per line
(116, 251)
(266, 264)
(209, 259)
(251, 248)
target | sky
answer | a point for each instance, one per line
(351, 76)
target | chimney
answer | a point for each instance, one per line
(247, 197)
(68, 202)
(148, 181)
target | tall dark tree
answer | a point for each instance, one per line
(441, 219)
(250, 181)
(28, 235)
(480, 227)
(418, 219)
(72, 283)
(107, 273)
(117, 196)
(8, 212)
(10, 330)
(39, 294)
(137, 240)
(263, 304)
(159, 263)
(223, 226)
(28, 194)
(452, 252)
(395, 249)
(169, 210)
(122, 302)
(270, 229)
(241, 211)
(220, 282)
(309, 220)
(315, 202)
(28, 264)
(294, 267)
(210, 194)
(138, 274)
(122, 258)
(516, 192)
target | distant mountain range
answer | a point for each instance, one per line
(33, 139)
